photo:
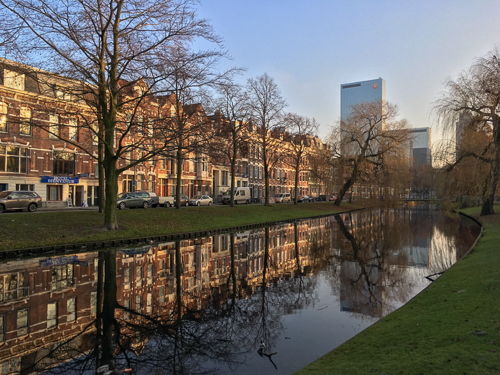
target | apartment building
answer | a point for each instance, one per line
(49, 144)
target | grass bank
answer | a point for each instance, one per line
(19, 230)
(452, 327)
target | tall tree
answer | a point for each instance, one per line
(266, 106)
(108, 46)
(232, 127)
(365, 139)
(476, 94)
(302, 130)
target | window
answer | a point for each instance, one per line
(51, 314)
(22, 322)
(13, 159)
(30, 187)
(95, 134)
(3, 117)
(2, 328)
(73, 130)
(161, 295)
(150, 131)
(93, 303)
(64, 163)
(150, 274)
(25, 124)
(62, 276)
(13, 80)
(54, 192)
(53, 126)
(126, 279)
(71, 309)
(161, 268)
(126, 304)
(138, 303)
(12, 286)
(138, 277)
(149, 303)
(140, 125)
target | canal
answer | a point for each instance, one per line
(267, 301)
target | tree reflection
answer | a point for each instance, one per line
(192, 306)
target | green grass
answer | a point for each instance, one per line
(19, 230)
(434, 332)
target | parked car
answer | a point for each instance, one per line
(284, 198)
(321, 198)
(166, 201)
(312, 198)
(302, 198)
(133, 200)
(201, 200)
(184, 200)
(332, 198)
(155, 200)
(19, 200)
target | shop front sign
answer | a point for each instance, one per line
(60, 180)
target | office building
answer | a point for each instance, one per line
(359, 92)
(421, 146)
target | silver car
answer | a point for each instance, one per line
(201, 200)
(133, 200)
(19, 200)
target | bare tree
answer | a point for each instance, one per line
(365, 139)
(232, 127)
(302, 130)
(266, 111)
(476, 94)
(108, 46)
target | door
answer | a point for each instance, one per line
(96, 195)
(89, 195)
(78, 196)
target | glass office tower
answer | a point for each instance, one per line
(357, 92)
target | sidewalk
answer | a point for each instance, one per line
(66, 209)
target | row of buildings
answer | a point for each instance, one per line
(45, 128)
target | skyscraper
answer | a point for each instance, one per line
(358, 92)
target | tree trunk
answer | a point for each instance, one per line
(266, 178)
(111, 187)
(233, 170)
(343, 190)
(108, 310)
(178, 179)
(296, 188)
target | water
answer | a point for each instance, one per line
(201, 306)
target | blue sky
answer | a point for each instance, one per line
(311, 47)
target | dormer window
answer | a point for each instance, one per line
(13, 80)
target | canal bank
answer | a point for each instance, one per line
(452, 327)
(70, 230)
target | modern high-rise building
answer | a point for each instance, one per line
(421, 146)
(359, 92)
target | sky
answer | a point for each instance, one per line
(312, 47)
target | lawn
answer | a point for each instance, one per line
(20, 230)
(452, 327)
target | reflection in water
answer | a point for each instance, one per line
(268, 300)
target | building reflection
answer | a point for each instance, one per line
(218, 296)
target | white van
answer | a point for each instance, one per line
(241, 195)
